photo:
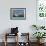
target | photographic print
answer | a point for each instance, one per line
(17, 13)
(41, 8)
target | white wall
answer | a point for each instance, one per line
(24, 25)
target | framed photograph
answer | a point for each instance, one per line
(41, 12)
(17, 13)
(41, 8)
